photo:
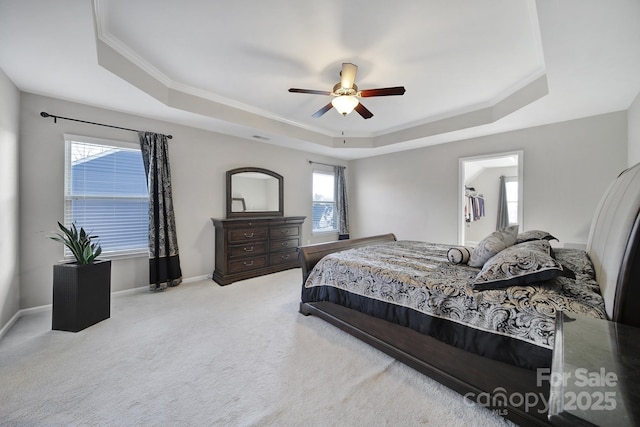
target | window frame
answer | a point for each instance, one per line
(507, 180)
(330, 172)
(68, 197)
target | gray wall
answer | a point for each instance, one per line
(567, 167)
(633, 126)
(199, 160)
(9, 122)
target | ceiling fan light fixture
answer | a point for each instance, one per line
(345, 104)
(346, 94)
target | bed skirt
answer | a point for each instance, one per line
(498, 347)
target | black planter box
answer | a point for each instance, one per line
(81, 295)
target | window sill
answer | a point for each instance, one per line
(125, 255)
(114, 256)
(323, 232)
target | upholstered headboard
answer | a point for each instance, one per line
(613, 247)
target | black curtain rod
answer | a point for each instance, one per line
(55, 120)
(324, 164)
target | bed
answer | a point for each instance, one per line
(409, 300)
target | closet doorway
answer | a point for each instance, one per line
(479, 188)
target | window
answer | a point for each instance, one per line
(511, 184)
(106, 193)
(324, 202)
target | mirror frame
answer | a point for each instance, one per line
(279, 212)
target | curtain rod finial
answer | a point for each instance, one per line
(44, 114)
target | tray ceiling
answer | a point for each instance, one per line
(469, 68)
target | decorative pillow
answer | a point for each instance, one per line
(492, 244)
(459, 255)
(534, 235)
(520, 264)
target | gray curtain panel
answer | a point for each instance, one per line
(341, 203)
(503, 210)
(164, 261)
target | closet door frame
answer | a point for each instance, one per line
(500, 159)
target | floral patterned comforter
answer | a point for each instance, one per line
(418, 275)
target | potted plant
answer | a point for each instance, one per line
(81, 289)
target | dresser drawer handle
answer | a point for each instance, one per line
(284, 244)
(248, 235)
(248, 264)
(285, 256)
(249, 249)
(285, 231)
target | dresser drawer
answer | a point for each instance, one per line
(254, 246)
(244, 264)
(284, 257)
(284, 244)
(249, 249)
(247, 234)
(285, 231)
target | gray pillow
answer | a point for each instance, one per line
(534, 235)
(492, 244)
(521, 264)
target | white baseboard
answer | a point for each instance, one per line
(19, 314)
(198, 278)
(142, 288)
(7, 326)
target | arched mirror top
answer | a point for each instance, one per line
(254, 192)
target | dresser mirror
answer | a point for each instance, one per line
(254, 192)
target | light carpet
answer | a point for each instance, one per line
(205, 355)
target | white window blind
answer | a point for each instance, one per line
(106, 194)
(324, 202)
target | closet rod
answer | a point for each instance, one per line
(323, 164)
(55, 120)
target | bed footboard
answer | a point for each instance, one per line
(309, 255)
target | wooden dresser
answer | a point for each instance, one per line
(250, 247)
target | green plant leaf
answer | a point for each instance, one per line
(79, 243)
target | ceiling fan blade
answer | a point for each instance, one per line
(384, 91)
(348, 75)
(311, 91)
(362, 110)
(323, 110)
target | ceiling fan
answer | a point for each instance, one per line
(346, 94)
